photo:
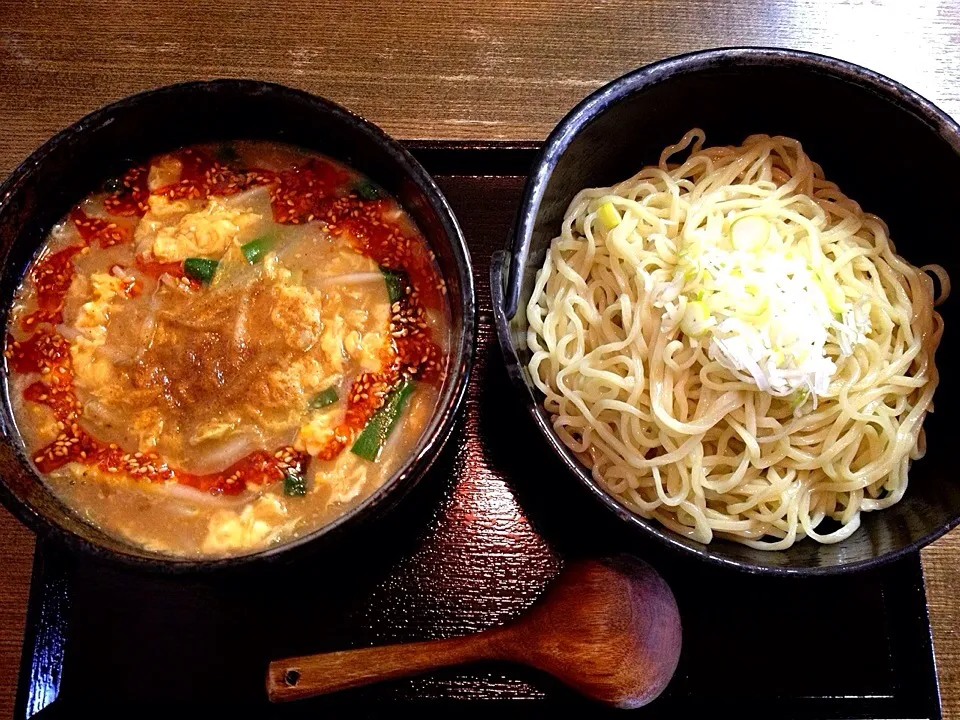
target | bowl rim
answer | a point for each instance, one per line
(508, 265)
(434, 437)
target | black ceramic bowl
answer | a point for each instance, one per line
(886, 147)
(76, 161)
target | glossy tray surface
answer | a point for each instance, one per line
(471, 547)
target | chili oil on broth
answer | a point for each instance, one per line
(226, 348)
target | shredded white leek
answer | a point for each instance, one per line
(771, 317)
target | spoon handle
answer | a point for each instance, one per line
(308, 675)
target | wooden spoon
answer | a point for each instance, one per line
(609, 629)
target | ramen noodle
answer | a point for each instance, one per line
(734, 348)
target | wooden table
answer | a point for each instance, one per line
(501, 69)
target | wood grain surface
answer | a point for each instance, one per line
(450, 69)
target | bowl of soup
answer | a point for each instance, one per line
(238, 317)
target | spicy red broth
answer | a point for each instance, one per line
(226, 347)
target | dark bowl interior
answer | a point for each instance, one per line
(78, 160)
(887, 148)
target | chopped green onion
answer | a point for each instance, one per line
(366, 190)
(295, 485)
(799, 398)
(696, 319)
(396, 283)
(202, 269)
(112, 185)
(254, 250)
(324, 398)
(608, 215)
(370, 441)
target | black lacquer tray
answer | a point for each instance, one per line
(471, 547)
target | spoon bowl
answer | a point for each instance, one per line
(608, 628)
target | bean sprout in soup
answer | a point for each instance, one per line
(226, 348)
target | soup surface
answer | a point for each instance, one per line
(226, 348)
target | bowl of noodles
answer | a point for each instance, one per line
(727, 304)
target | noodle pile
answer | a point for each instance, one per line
(671, 421)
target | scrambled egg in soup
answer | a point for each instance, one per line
(227, 348)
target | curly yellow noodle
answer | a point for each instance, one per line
(673, 434)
